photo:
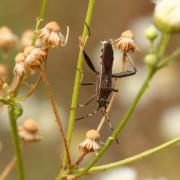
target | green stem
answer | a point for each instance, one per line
(126, 117)
(163, 44)
(134, 158)
(40, 18)
(78, 78)
(121, 125)
(16, 142)
(169, 58)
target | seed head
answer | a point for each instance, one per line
(29, 131)
(19, 68)
(26, 39)
(126, 42)
(51, 36)
(7, 38)
(34, 57)
(91, 143)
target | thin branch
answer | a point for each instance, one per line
(123, 122)
(134, 158)
(32, 90)
(58, 119)
(16, 143)
(78, 78)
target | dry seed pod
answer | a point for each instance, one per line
(126, 42)
(19, 68)
(51, 36)
(91, 143)
(34, 57)
(29, 131)
(7, 38)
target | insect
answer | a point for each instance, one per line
(104, 79)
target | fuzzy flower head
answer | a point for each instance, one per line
(91, 143)
(26, 39)
(34, 57)
(51, 35)
(126, 42)
(167, 15)
(29, 131)
(19, 68)
(7, 38)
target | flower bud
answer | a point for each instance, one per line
(166, 15)
(151, 59)
(151, 33)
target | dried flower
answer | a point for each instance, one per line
(91, 143)
(19, 68)
(51, 35)
(7, 38)
(126, 42)
(28, 132)
(26, 39)
(167, 15)
(34, 57)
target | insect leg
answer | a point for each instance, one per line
(86, 103)
(109, 123)
(85, 83)
(89, 115)
(125, 73)
(89, 62)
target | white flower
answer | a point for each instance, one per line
(167, 15)
(124, 173)
(170, 123)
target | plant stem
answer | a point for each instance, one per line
(16, 142)
(163, 44)
(39, 21)
(121, 125)
(125, 119)
(134, 158)
(169, 58)
(78, 78)
(58, 120)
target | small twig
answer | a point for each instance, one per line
(78, 78)
(80, 159)
(9, 166)
(55, 109)
(31, 91)
(16, 142)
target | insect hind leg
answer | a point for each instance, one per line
(109, 123)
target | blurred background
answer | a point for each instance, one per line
(156, 119)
